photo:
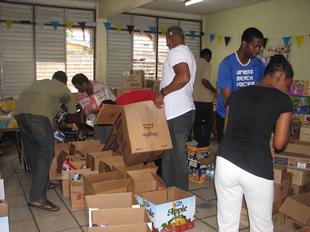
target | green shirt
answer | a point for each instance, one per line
(45, 98)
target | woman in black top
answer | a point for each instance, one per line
(244, 163)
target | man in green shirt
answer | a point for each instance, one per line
(35, 110)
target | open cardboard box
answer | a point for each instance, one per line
(145, 180)
(123, 169)
(105, 182)
(141, 130)
(93, 158)
(140, 227)
(297, 207)
(106, 163)
(4, 217)
(169, 208)
(84, 147)
(300, 177)
(107, 201)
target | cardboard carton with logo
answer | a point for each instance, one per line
(93, 159)
(105, 182)
(141, 130)
(145, 180)
(168, 209)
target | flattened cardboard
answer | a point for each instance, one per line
(93, 159)
(297, 207)
(141, 227)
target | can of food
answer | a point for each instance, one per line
(76, 177)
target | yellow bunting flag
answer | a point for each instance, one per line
(68, 24)
(219, 38)
(118, 26)
(162, 30)
(299, 39)
(9, 23)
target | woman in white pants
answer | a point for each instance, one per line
(244, 164)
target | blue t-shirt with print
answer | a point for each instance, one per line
(234, 75)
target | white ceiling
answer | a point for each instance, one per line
(201, 8)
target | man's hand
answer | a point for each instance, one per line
(159, 101)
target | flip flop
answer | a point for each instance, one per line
(46, 205)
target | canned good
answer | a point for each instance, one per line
(76, 176)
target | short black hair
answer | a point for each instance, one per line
(277, 63)
(205, 53)
(60, 76)
(250, 34)
(79, 79)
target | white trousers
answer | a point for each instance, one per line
(231, 182)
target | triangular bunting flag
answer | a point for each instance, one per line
(192, 33)
(287, 40)
(55, 24)
(265, 42)
(219, 38)
(130, 28)
(152, 29)
(9, 23)
(68, 24)
(299, 39)
(162, 30)
(226, 40)
(107, 25)
(212, 37)
(118, 26)
(83, 25)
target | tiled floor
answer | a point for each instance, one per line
(25, 219)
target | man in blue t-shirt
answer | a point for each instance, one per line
(239, 69)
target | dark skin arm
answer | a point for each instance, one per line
(282, 130)
(208, 85)
(226, 93)
(181, 78)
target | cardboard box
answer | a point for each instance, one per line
(305, 133)
(153, 84)
(300, 177)
(279, 174)
(141, 130)
(76, 187)
(169, 208)
(297, 207)
(123, 169)
(59, 148)
(105, 182)
(297, 189)
(293, 160)
(133, 79)
(4, 217)
(106, 164)
(93, 159)
(140, 227)
(145, 180)
(84, 147)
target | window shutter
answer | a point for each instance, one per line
(119, 51)
(16, 47)
(193, 42)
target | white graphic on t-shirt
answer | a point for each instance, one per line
(244, 77)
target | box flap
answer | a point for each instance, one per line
(297, 207)
(141, 227)
(108, 114)
(106, 163)
(109, 217)
(109, 200)
(85, 146)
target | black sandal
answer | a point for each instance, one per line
(46, 205)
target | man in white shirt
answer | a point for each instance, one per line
(176, 89)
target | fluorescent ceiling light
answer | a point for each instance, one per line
(191, 2)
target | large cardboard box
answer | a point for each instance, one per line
(105, 182)
(133, 79)
(141, 130)
(4, 217)
(297, 207)
(305, 133)
(140, 227)
(145, 180)
(76, 187)
(93, 159)
(84, 147)
(169, 208)
(300, 177)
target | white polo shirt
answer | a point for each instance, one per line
(181, 101)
